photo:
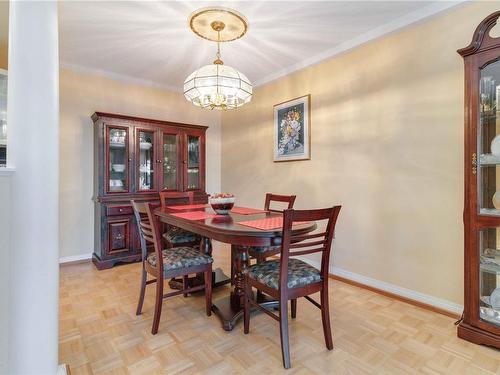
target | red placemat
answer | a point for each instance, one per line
(188, 206)
(246, 210)
(268, 223)
(195, 215)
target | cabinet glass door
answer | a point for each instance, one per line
(117, 169)
(193, 162)
(146, 161)
(489, 275)
(170, 146)
(489, 141)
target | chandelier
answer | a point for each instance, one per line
(218, 86)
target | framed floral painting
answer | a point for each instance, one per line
(292, 129)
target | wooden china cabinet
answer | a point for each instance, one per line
(481, 319)
(136, 158)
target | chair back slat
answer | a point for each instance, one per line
(141, 218)
(306, 244)
(148, 229)
(305, 252)
(139, 207)
(299, 238)
(149, 233)
(313, 215)
(145, 229)
(148, 238)
(145, 226)
(290, 199)
(172, 198)
(309, 243)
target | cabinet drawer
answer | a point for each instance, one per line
(119, 210)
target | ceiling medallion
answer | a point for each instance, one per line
(218, 86)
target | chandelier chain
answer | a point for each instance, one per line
(218, 60)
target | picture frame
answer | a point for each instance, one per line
(292, 129)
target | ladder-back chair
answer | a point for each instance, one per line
(300, 278)
(167, 263)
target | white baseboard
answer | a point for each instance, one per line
(62, 370)
(394, 289)
(75, 258)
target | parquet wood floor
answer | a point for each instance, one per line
(373, 334)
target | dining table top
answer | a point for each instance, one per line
(226, 228)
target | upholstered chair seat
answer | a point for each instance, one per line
(176, 235)
(299, 273)
(180, 257)
(264, 250)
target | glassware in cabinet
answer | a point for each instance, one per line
(489, 141)
(170, 146)
(146, 160)
(118, 159)
(193, 162)
(489, 275)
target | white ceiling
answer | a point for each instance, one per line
(151, 43)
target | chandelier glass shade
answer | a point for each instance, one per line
(217, 86)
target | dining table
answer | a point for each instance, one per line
(242, 228)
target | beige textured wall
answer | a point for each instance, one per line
(3, 56)
(80, 96)
(387, 144)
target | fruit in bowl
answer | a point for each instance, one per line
(222, 203)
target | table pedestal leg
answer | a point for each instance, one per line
(240, 267)
(230, 310)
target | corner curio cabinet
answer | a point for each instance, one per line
(136, 158)
(481, 319)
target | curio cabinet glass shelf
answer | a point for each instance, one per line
(481, 319)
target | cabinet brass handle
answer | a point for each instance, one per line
(474, 163)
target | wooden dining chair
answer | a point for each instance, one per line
(167, 263)
(300, 278)
(261, 253)
(175, 236)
